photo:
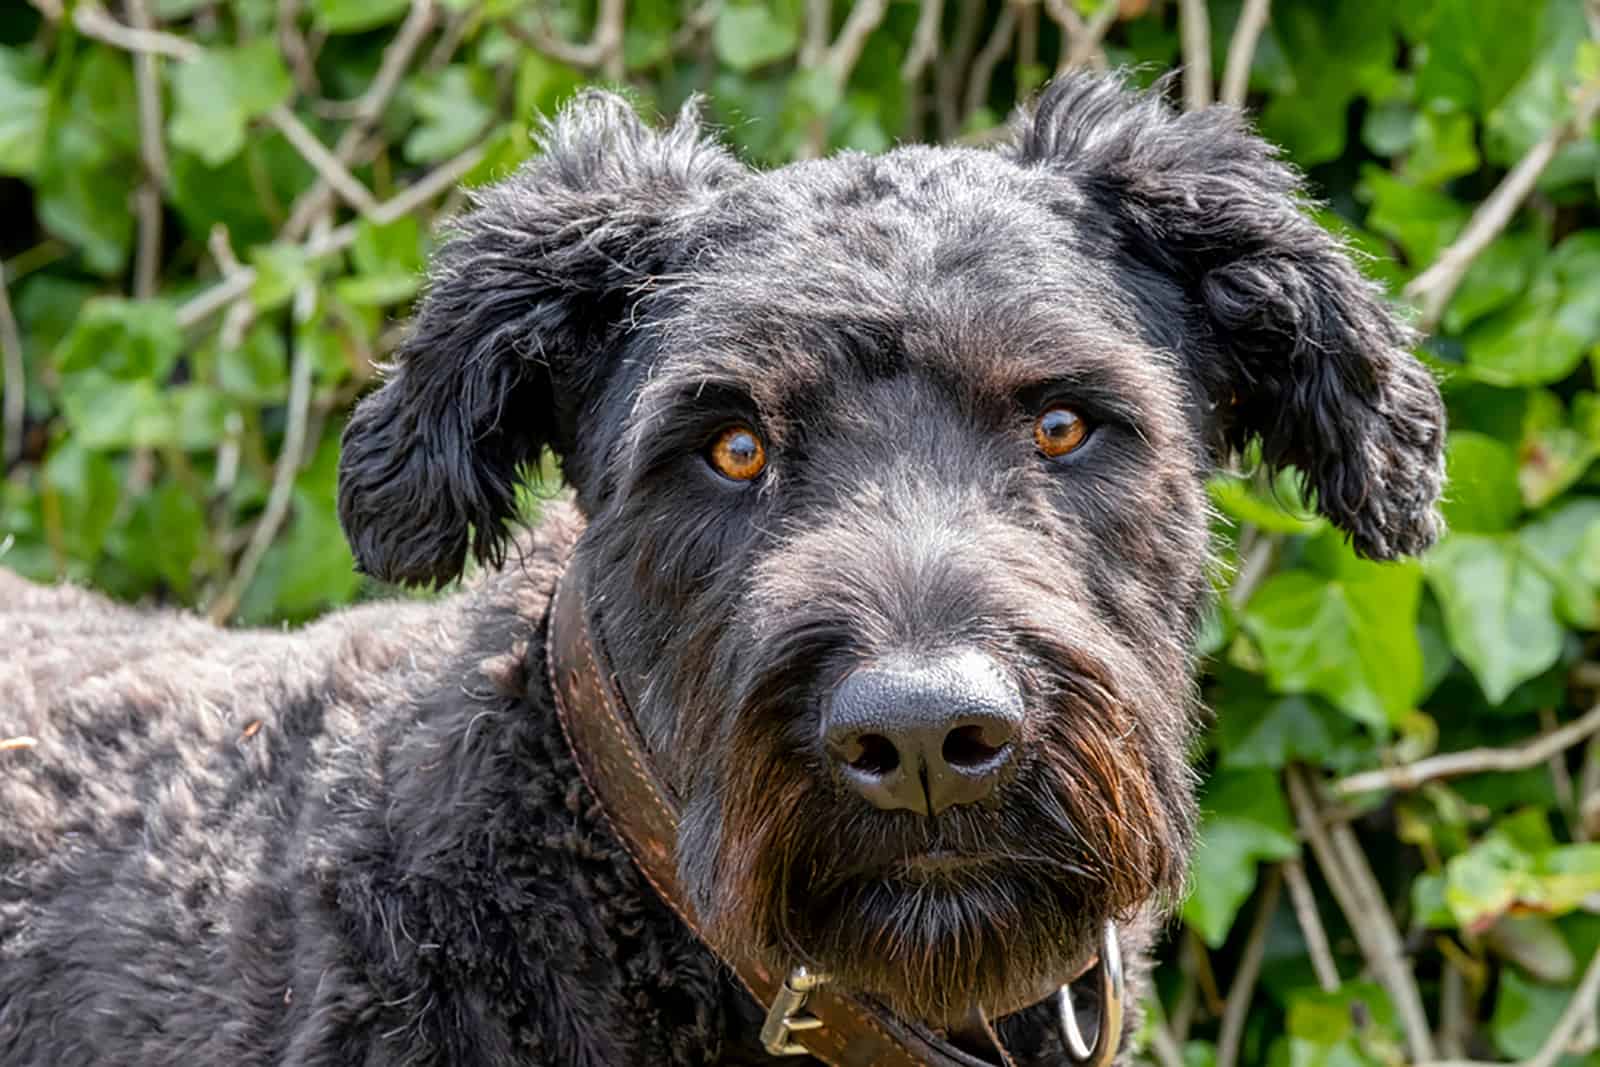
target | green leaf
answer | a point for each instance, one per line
(1497, 276)
(1246, 821)
(1499, 610)
(1261, 730)
(1350, 638)
(453, 107)
(1543, 337)
(1481, 494)
(1565, 545)
(747, 36)
(217, 94)
(107, 414)
(1280, 511)
(257, 370)
(1477, 50)
(1422, 221)
(88, 168)
(1525, 1013)
(1502, 875)
(354, 16)
(280, 270)
(126, 339)
(81, 490)
(1444, 147)
(23, 101)
(166, 535)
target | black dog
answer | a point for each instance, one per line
(890, 474)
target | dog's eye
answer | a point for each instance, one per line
(737, 453)
(1059, 431)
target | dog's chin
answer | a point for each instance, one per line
(935, 938)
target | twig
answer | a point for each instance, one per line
(292, 43)
(397, 57)
(153, 154)
(924, 41)
(1244, 980)
(1195, 25)
(1163, 1046)
(1356, 890)
(16, 394)
(1432, 289)
(1083, 38)
(947, 73)
(865, 16)
(283, 475)
(1254, 568)
(324, 162)
(1242, 51)
(987, 59)
(1530, 753)
(819, 15)
(1573, 1017)
(1455, 1027)
(1560, 777)
(203, 304)
(1186, 1003)
(1305, 913)
(603, 51)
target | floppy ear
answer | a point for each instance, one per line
(1292, 346)
(523, 306)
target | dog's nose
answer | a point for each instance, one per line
(925, 734)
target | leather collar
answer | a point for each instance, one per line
(839, 1029)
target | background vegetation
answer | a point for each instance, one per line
(216, 212)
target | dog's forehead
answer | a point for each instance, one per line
(951, 263)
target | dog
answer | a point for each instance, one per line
(890, 522)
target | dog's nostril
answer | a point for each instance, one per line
(873, 754)
(965, 746)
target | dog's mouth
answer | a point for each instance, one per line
(938, 864)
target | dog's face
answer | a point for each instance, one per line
(894, 470)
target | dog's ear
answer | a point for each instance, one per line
(1290, 344)
(525, 301)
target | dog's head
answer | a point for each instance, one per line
(894, 470)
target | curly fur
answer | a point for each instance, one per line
(366, 842)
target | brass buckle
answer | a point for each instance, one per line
(1109, 1034)
(784, 1014)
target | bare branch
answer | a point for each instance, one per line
(292, 43)
(1432, 289)
(1195, 25)
(397, 57)
(987, 59)
(947, 73)
(819, 16)
(1083, 38)
(16, 395)
(1577, 1012)
(1242, 51)
(153, 154)
(1530, 753)
(865, 16)
(1244, 980)
(1254, 568)
(1306, 914)
(924, 40)
(602, 52)
(327, 166)
(1356, 890)
(199, 307)
(284, 471)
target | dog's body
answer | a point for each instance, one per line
(891, 473)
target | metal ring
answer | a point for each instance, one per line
(1109, 1034)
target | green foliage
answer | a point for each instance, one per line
(181, 425)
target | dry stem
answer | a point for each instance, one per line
(1242, 51)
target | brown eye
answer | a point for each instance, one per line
(1059, 431)
(737, 453)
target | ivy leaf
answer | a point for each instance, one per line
(1477, 50)
(1350, 638)
(1543, 336)
(1422, 221)
(217, 94)
(747, 36)
(1245, 822)
(1499, 610)
(1565, 545)
(1497, 276)
(453, 108)
(1482, 494)
(23, 100)
(124, 339)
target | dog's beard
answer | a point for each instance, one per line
(1012, 906)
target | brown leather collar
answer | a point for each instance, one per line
(643, 813)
